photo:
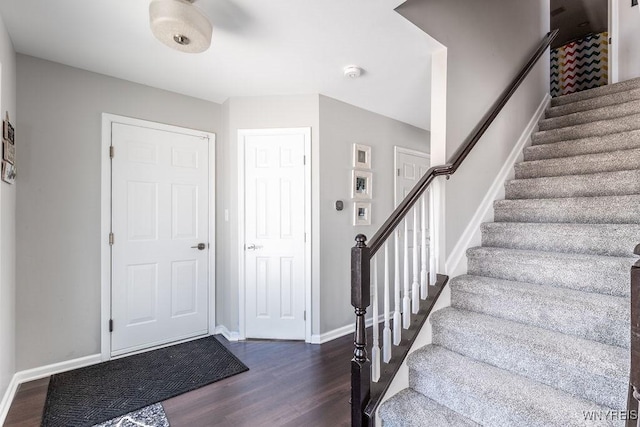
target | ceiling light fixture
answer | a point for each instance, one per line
(180, 25)
(352, 71)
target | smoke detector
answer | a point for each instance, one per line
(352, 71)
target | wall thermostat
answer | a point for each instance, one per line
(339, 205)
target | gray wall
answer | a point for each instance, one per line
(487, 43)
(249, 113)
(628, 47)
(342, 125)
(7, 220)
(58, 202)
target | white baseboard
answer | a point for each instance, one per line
(340, 332)
(41, 372)
(230, 336)
(457, 260)
(5, 403)
(56, 368)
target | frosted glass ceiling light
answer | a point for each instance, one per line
(180, 25)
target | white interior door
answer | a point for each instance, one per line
(160, 214)
(274, 230)
(410, 166)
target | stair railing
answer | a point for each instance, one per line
(634, 375)
(415, 295)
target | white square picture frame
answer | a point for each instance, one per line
(361, 185)
(361, 156)
(361, 213)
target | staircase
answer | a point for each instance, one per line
(538, 330)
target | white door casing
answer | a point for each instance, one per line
(274, 224)
(160, 210)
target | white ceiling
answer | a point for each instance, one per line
(274, 47)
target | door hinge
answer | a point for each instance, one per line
(111, 150)
(398, 172)
(305, 237)
(111, 239)
(609, 40)
(304, 160)
(110, 325)
(304, 315)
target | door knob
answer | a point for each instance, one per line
(200, 247)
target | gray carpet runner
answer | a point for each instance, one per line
(538, 330)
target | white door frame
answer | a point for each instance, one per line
(398, 150)
(242, 133)
(613, 25)
(105, 228)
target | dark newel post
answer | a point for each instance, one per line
(634, 378)
(360, 300)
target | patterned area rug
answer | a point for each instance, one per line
(99, 393)
(151, 416)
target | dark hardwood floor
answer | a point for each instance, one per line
(288, 384)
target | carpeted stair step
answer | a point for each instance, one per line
(592, 210)
(583, 368)
(585, 130)
(412, 409)
(616, 240)
(596, 184)
(583, 164)
(596, 317)
(602, 113)
(589, 273)
(576, 147)
(494, 397)
(593, 103)
(596, 92)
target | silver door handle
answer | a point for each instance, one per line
(253, 247)
(200, 247)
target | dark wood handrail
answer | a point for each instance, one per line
(461, 153)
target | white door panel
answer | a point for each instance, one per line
(410, 166)
(160, 210)
(274, 236)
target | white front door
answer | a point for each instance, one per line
(410, 166)
(274, 233)
(160, 214)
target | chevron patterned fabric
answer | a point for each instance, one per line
(580, 65)
(98, 393)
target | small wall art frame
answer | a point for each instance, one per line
(8, 168)
(361, 156)
(361, 185)
(361, 213)
(8, 152)
(8, 132)
(8, 173)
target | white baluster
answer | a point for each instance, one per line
(415, 287)
(386, 332)
(406, 301)
(423, 247)
(375, 351)
(397, 321)
(433, 236)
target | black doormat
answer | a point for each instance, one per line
(98, 393)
